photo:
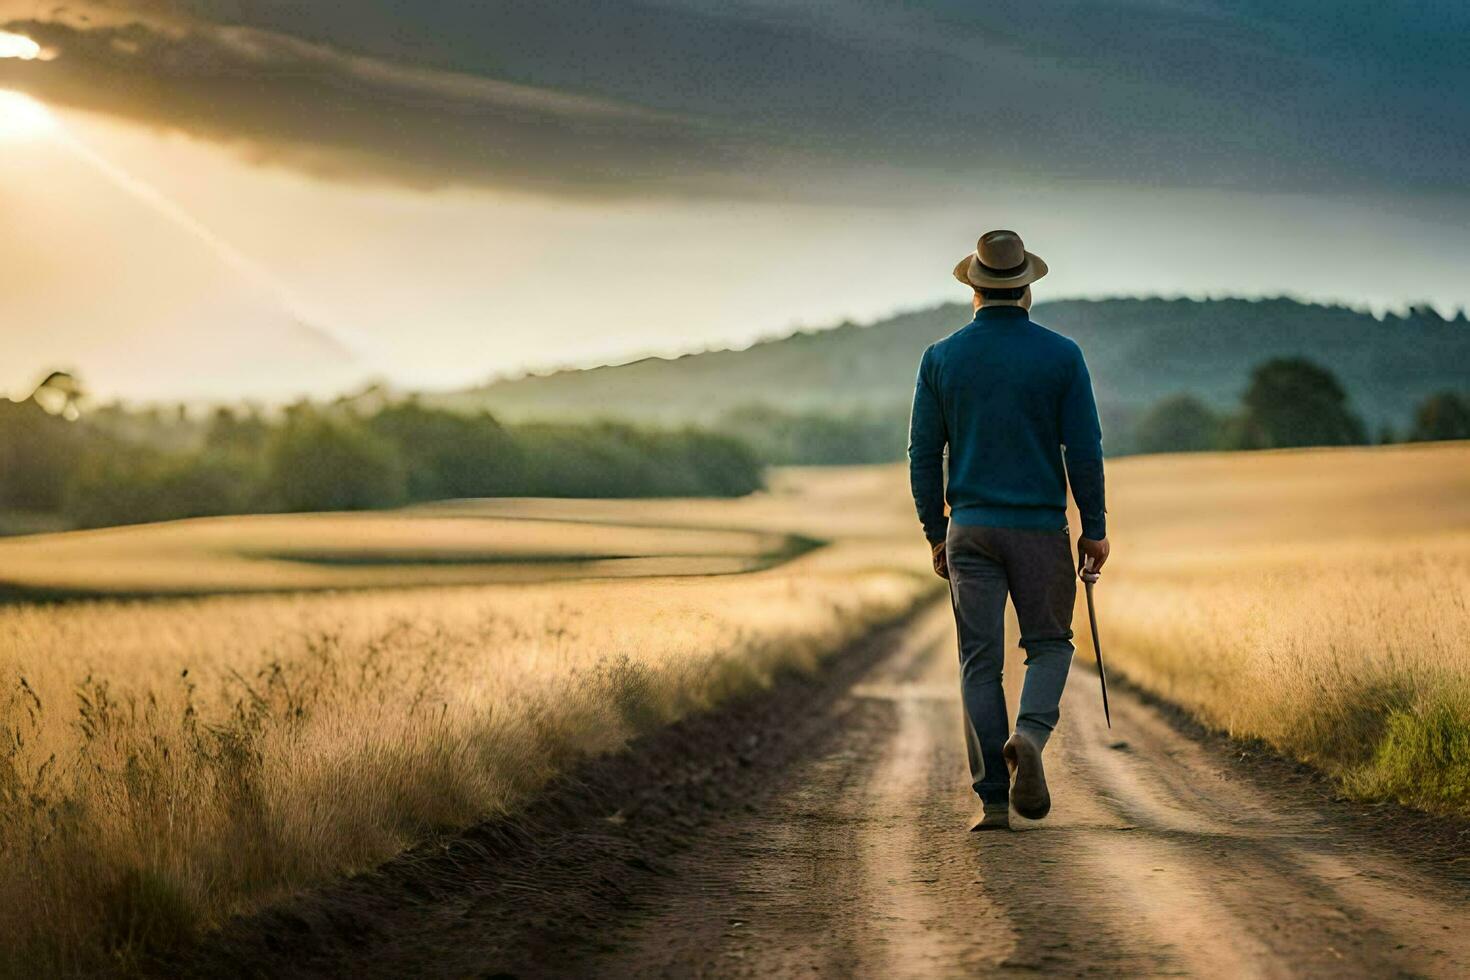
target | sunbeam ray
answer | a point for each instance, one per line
(22, 117)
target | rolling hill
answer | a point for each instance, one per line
(1140, 350)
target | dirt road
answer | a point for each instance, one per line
(1153, 861)
(821, 831)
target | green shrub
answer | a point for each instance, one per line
(449, 455)
(320, 463)
(126, 484)
(37, 452)
(1423, 757)
(1445, 415)
(818, 438)
(1293, 402)
(1179, 424)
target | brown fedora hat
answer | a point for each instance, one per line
(1000, 261)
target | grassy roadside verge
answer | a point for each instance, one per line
(164, 765)
(1328, 669)
(1318, 601)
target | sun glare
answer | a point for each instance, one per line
(22, 116)
(18, 46)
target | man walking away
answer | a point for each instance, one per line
(1011, 400)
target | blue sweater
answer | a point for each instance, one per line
(1006, 395)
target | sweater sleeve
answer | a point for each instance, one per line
(927, 439)
(1082, 439)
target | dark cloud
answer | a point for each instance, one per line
(286, 101)
(723, 95)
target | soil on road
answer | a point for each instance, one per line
(1152, 862)
(842, 850)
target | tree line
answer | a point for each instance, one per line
(1289, 402)
(115, 468)
(784, 438)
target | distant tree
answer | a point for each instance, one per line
(126, 483)
(1445, 415)
(819, 438)
(242, 433)
(38, 452)
(316, 463)
(1178, 424)
(722, 466)
(1293, 402)
(602, 459)
(612, 459)
(114, 484)
(452, 455)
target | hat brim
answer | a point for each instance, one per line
(970, 272)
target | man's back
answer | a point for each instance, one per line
(1005, 394)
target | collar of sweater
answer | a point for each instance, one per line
(1001, 313)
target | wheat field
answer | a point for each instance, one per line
(1319, 600)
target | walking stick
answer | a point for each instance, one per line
(1089, 578)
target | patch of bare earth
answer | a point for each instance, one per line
(821, 830)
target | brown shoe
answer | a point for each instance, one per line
(997, 817)
(1029, 794)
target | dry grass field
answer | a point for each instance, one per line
(1319, 600)
(166, 762)
(288, 552)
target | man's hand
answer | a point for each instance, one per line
(941, 560)
(1091, 556)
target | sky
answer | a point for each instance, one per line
(211, 199)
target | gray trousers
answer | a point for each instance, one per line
(1035, 569)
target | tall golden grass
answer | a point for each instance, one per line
(1319, 600)
(165, 763)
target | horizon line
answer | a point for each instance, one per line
(370, 381)
(675, 354)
